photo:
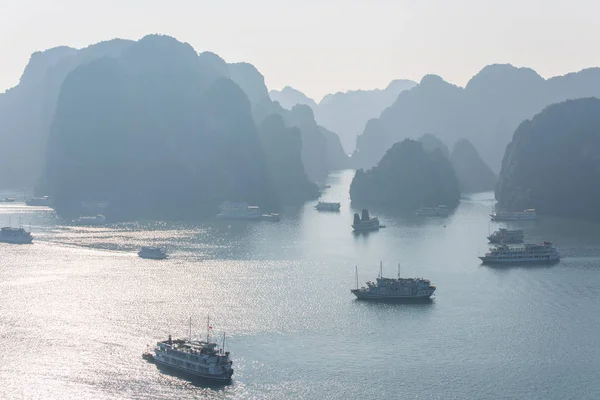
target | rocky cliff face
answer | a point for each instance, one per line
(407, 177)
(283, 149)
(552, 163)
(155, 134)
(473, 174)
(26, 110)
(486, 112)
(345, 113)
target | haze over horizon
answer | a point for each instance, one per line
(323, 48)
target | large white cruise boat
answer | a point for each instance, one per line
(15, 235)
(526, 215)
(95, 220)
(525, 254)
(243, 211)
(198, 358)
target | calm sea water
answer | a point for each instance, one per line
(78, 307)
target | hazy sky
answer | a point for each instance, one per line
(323, 46)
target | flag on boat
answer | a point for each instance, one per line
(210, 327)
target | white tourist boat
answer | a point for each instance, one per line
(91, 220)
(241, 211)
(526, 215)
(44, 201)
(527, 253)
(507, 236)
(15, 235)
(198, 358)
(439, 211)
(327, 206)
(154, 253)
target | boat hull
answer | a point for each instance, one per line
(164, 257)
(396, 298)
(358, 228)
(489, 261)
(192, 373)
(16, 241)
(512, 217)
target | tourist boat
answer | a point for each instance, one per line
(15, 235)
(526, 215)
(439, 211)
(507, 236)
(241, 211)
(8, 200)
(44, 201)
(273, 217)
(327, 206)
(153, 253)
(525, 254)
(198, 358)
(407, 289)
(365, 223)
(94, 220)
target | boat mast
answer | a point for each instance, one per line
(223, 342)
(381, 269)
(190, 328)
(398, 270)
(207, 327)
(356, 274)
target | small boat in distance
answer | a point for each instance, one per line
(365, 223)
(240, 211)
(198, 358)
(153, 253)
(399, 289)
(273, 217)
(439, 211)
(95, 220)
(44, 201)
(15, 235)
(526, 215)
(527, 253)
(8, 200)
(327, 206)
(507, 236)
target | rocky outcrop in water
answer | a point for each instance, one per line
(552, 163)
(407, 177)
(155, 134)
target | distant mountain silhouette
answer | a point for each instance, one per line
(431, 142)
(407, 177)
(321, 149)
(163, 131)
(288, 97)
(345, 113)
(552, 163)
(485, 112)
(283, 148)
(473, 174)
(26, 110)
